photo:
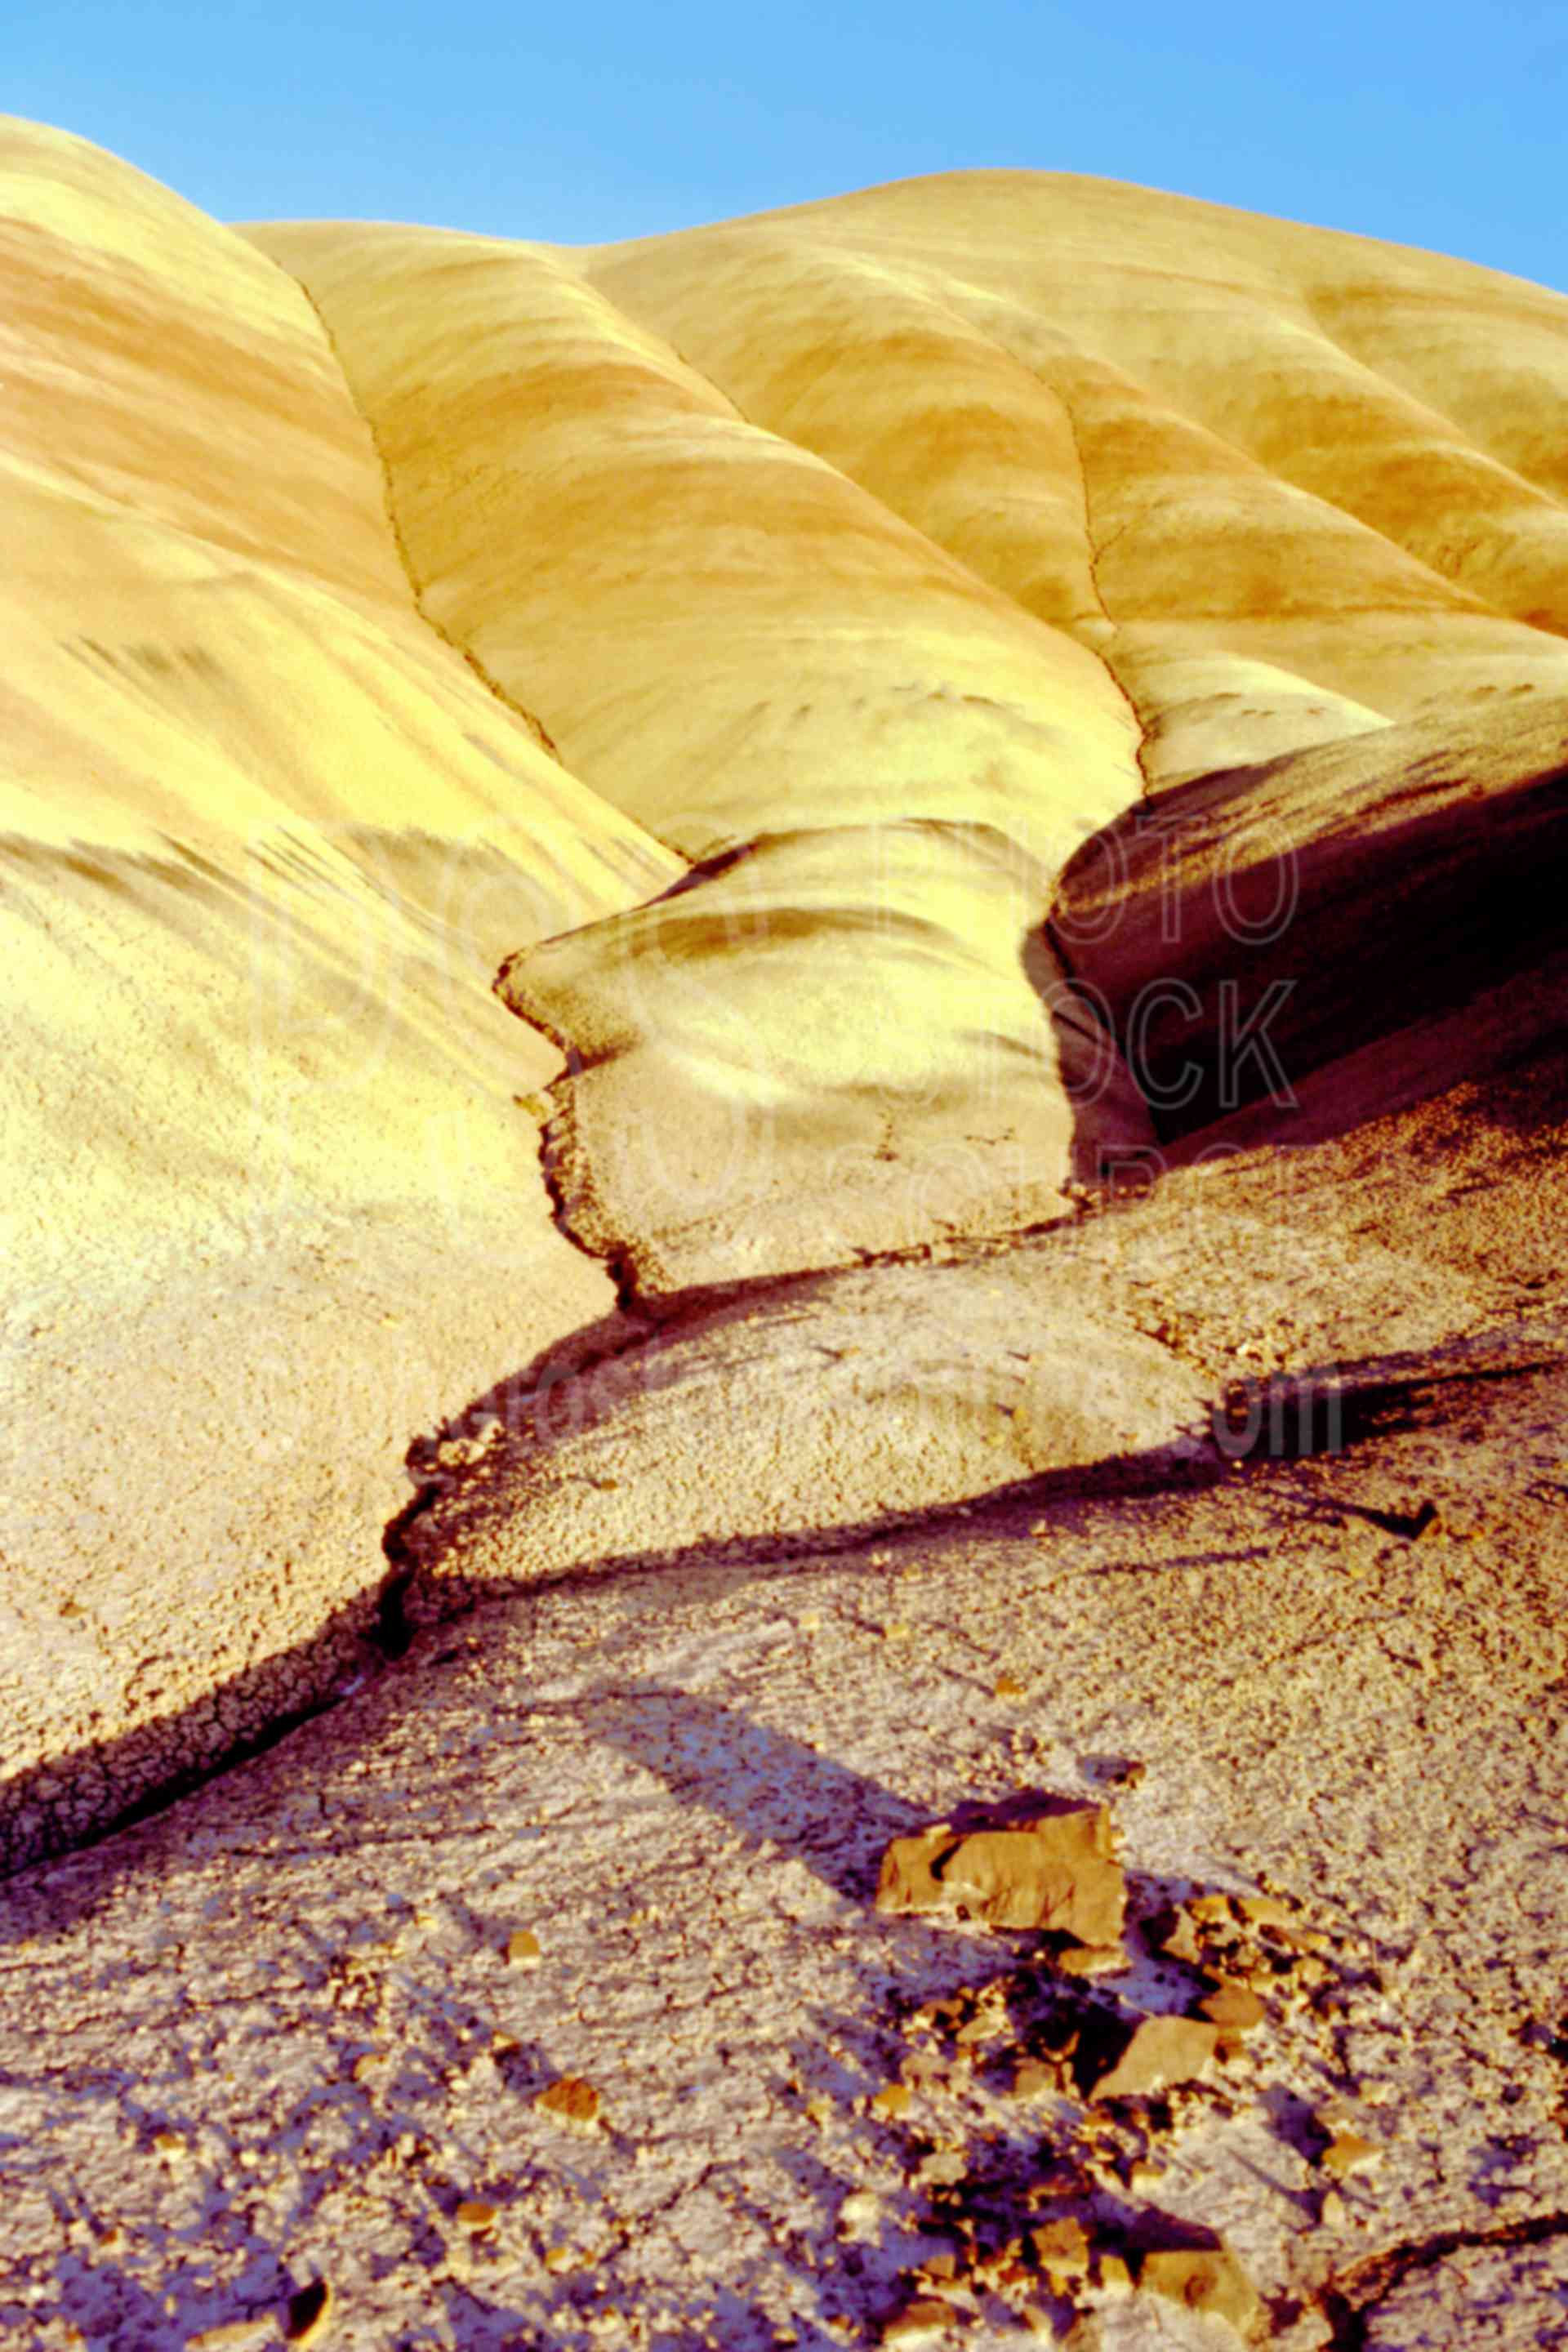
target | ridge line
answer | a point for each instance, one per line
(534, 725)
(1094, 552)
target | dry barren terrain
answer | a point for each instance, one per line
(784, 1066)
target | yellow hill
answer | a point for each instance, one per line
(264, 837)
(386, 603)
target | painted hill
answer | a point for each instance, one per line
(822, 963)
(386, 601)
(1089, 493)
(264, 836)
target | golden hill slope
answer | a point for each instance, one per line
(263, 839)
(880, 555)
(1288, 482)
(730, 632)
(1128, 408)
(996, 500)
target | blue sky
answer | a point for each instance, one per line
(1441, 125)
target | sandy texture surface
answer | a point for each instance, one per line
(725, 632)
(893, 688)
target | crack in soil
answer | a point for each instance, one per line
(1350, 2300)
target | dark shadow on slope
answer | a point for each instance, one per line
(772, 1788)
(1243, 931)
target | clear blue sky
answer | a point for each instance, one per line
(1444, 124)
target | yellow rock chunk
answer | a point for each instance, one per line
(571, 2100)
(1207, 2279)
(1056, 1871)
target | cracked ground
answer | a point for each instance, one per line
(282, 2034)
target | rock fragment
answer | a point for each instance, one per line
(571, 2100)
(1347, 2154)
(860, 2214)
(1203, 2278)
(1056, 1871)
(1178, 1935)
(919, 2322)
(523, 1948)
(1034, 2078)
(938, 2274)
(1091, 1960)
(1158, 2053)
(1265, 1911)
(1061, 2253)
(1234, 2008)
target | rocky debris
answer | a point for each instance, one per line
(1156, 2054)
(1204, 2278)
(523, 1950)
(1035, 2078)
(1061, 2253)
(462, 1452)
(861, 2214)
(572, 2102)
(477, 2215)
(1245, 1943)
(1348, 2154)
(1050, 2264)
(941, 2168)
(971, 2016)
(989, 2019)
(1055, 1871)
(1091, 1960)
(919, 2322)
(939, 2274)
